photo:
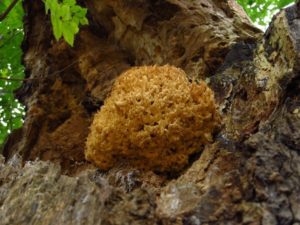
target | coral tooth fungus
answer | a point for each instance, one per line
(153, 119)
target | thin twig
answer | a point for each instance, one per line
(11, 79)
(52, 74)
(9, 8)
(6, 91)
(65, 68)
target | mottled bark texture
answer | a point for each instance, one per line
(249, 175)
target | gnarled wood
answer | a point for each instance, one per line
(249, 175)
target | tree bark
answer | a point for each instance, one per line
(249, 175)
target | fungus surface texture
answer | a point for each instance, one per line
(153, 119)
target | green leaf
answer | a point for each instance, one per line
(283, 3)
(69, 36)
(66, 16)
(57, 27)
(65, 12)
(261, 11)
(73, 27)
(70, 2)
(84, 21)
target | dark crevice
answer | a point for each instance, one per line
(161, 10)
(59, 119)
(242, 51)
(198, 55)
(91, 104)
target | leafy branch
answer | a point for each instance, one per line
(9, 8)
(11, 69)
(66, 17)
(260, 11)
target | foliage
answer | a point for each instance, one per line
(11, 70)
(66, 17)
(260, 11)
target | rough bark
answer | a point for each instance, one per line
(65, 86)
(249, 175)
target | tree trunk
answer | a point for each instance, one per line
(249, 175)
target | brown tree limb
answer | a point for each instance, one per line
(7, 11)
